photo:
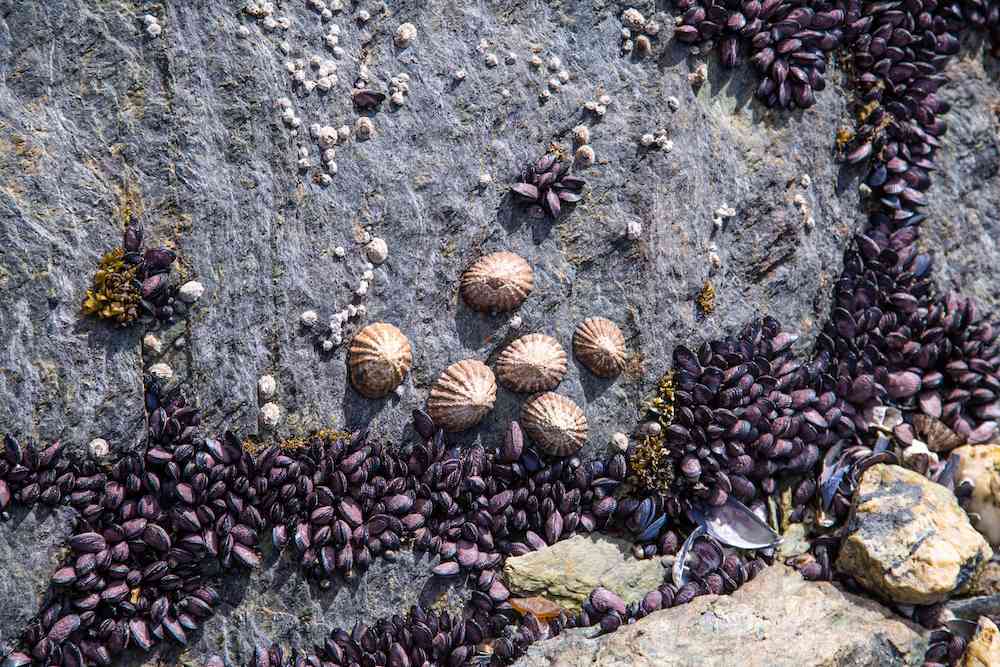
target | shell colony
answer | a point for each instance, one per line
(135, 574)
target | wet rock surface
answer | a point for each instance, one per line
(777, 620)
(568, 571)
(97, 119)
(984, 649)
(981, 465)
(908, 540)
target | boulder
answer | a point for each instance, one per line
(981, 465)
(984, 649)
(909, 540)
(568, 571)
(776, 620)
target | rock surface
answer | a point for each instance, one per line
(568, 571)
(776, 620)
(908, 539)
(981, 464)
(98, 118)
(984, 649)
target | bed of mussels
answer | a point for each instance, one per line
(154, 530)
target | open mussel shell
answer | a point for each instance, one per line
(736, 525)
(680, 572)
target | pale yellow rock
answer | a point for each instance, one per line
(984, 649)
(981, 464)
(776, 620)
(909, 541)
(568, 571)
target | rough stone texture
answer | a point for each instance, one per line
(984, 649)
(981, 464)
(568, 571)
(908, 540)
(30, 550)
(97, 117)
(777, 620)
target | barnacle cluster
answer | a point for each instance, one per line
(114, 294)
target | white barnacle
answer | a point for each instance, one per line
(152, 343)
(243, 32)
(510, 58)
(190, 291)
(601, 109)
(364, 128)
(555, 63)
(405, 34)
(633, 230)
(544, 94)
(325, 179)
(331, 166)
(99, 448)
(604, 99)
(368, 275)
(362, 288)
(647, 139)
(339, 251)
(161, 371)
(619, 441)
(326, 83)
(652, 28)
(309, 318)
(314, 130)
(634, 19)
(363, 16)
(304, 163)
(643, 45)
(564, 76)
(331, 40)
(584, 155)
(536, 61)
(327, 136)
(285, 47)
(398, 98)
(491, 60)
(485, 179)
(284, 23)
(344, 133)
(673, 103)
(269, 23)
(267, 386)
(555, 83)
(308, 86)
(581, 134)
(329, 154)
(315, 61)
(270, 415)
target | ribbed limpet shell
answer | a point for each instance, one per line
(555, 423)
(380, 356)
(531, 363)
(600, 346)
(499, 282)
(462, 395)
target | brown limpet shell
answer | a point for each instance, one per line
(555, 423)
(462, 395)
(499, 282)
(379, 357)
(532, 363)
(600, 346)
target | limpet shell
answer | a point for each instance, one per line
(600, 346)
(380, 356)
(498, 282)
(462, 395)
(532, 363)
(555, 423)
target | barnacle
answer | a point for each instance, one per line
(546, 185)
(114, 294)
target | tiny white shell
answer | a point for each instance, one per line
(532, 363)
(555, 423)
(462, 395)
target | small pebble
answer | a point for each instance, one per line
(267, 386)
(377, 251)
(554, 63)
(585, 155)
(510, 58)
(581, 134)
(673, 104)
(161, 371)
(620, 441)
(99, 448)
(805, 181)
(180, 342)
(643, 45)
(633, 230)
(309, 318)
(459, 75)
(363, 16)
(515, 322)
(536, 61)
(270, 415)
(647, 139)
(243, 31)
(152, 343)
(405, 34)
(327, 345)
(191, 291)
(491, 60)
(339, 251)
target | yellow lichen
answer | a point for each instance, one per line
(706, 298)
(114, 294)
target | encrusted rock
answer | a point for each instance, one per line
(776, 620)
(981, 465)
(909, 541)
(984, 648)
(568, 571)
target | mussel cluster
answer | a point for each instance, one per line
(546, 185)
(131, 283)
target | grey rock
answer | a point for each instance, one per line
(97, 117)
(776, 620)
